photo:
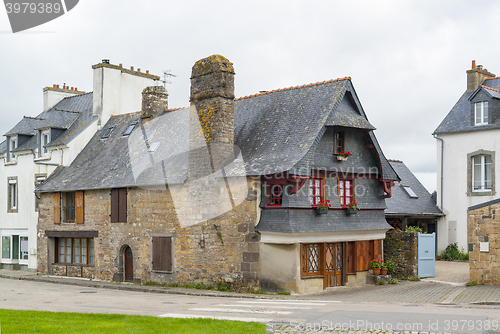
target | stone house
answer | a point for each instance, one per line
(484, 241)
(226, 191)
(467, 140)
(36, 146)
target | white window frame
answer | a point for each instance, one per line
(19, 234)
(483, 180)
(44, 134)
(12, 194)
(481, 113)
(13, 143)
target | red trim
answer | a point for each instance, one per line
(387, 188)
(342, 192)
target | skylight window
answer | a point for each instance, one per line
(108, 131)
(129, 129)
(153, 146)
(410, 192)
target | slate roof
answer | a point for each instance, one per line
(71, 114)
(401, 203)
(273, 130)
(3, 147)
(297, 221)
(459, 119)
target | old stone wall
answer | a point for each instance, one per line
(220, 246)
(403, 248)
(484, 239)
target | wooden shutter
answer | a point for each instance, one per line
(162, 253)
(79, 207)
(362, 255)
(57, 208)
(377, 249)
(122, 205)
(114, 205)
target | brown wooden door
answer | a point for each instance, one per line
(334, 265)
(129, 264)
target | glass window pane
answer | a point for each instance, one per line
(24, 248)
(6, 247)
(317, 183)
(15, 247)
(487, 171)
(91, 250)
(485, 112)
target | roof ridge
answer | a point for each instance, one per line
(36, 118)
(492, 78)
(496, 90)
(130, 113)
(77, 112)
(293, 87)
(179, 108)
(394, 160)
(76, 95)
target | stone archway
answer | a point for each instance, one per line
(125, 264)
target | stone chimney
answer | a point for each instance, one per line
(154, 101)
(212, 106)
(52, 95)
(476, 75)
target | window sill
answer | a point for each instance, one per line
(482, 193)
(42, 158)
(72, 264)
(162, 271)
(311, 276)
(11, 163)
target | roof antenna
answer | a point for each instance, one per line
(166, 73)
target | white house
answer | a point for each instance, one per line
(36, 146)
(467, 140)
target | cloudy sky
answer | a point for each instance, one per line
(407, 59)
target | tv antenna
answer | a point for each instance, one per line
(167, 74)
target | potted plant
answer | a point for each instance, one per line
(383, 270)
(352, 208)
(376, 266)
(343, 155)
(322, 208)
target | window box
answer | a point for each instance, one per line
(350, 212)
(321, 211)
(341, 158)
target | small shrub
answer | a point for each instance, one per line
(414, 278)
(403, 278)
(452, 253)
(258, 292)
(221, 287)
(381, 282)
(471, 283)
(391, 266)
(413, 229)
(283, 293)
(393, 281)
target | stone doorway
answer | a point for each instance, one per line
(128, 261)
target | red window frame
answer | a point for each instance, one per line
(275, 194)
(346, 194)
(316, 191)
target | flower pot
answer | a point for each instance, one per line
(321, 211)
(376, 271)
(351, 212)
(383, 271)
(341, 158)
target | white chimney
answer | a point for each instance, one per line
(52, 95)
(118, 90)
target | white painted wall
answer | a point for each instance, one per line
(52, 95)
(455, 198)
(117, 92)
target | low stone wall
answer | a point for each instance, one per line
(484, 243)
(403, 248)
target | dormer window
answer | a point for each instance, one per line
(12, 146)
(45, 140)
(481, 113)
(338, 141)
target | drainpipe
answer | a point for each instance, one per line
(441, 186)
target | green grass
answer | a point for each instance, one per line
(12, 321)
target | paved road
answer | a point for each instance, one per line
(308, 312)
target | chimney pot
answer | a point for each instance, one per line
(131, 68)
(57, 86)
(105, 61)
(147, 71)
(76, 88)
(473, 64)
(138, 70)
(121, 65)
(54, 86)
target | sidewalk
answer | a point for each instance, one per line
(427, 291)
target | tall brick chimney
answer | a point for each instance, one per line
(154, 101)
(212, 105)
(476, 75)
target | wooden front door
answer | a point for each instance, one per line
(334, 265)
(129, 264)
